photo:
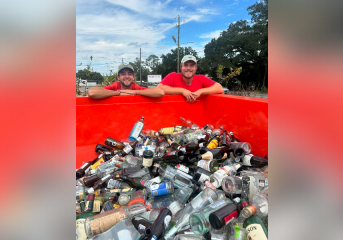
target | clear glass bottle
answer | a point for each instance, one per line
(189, 124)
(199, 221)
(259, 205)
(228, 170)
(232, 184)
(104, 221)
(206, 197)
(179, 178)
(244, 145)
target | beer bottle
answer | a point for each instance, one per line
(102, 148)
(81, 171)
(114, 143)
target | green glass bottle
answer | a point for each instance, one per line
(80, 219)
(256, 228)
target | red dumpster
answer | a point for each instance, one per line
(114, 117)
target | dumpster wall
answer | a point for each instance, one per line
(114, 117)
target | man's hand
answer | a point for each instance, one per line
(127, 92)
(190, 96)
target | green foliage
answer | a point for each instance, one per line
(110, 79)
(86, 74)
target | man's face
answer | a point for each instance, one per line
(126, 77)
(188, 69)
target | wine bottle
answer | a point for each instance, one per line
(160, 225)
(256, 228)
(219, 218)
(81, 218)
(254, 161)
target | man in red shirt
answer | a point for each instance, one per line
(188, 84)
(124, 86)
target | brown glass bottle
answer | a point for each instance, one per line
(214, 143)
(114, 143)
(81, 171)
(102, 148)
(89, 181)
(225, 140)
(219, 218)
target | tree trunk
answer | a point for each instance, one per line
(265, 76)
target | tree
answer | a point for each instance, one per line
(145, 70)
(151, 63)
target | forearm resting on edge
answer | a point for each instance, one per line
(214, 89)
(170, 90)
(151, 92)
(99, 92)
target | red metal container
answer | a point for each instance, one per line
(114, 117)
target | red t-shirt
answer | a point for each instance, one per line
(116, 86)
(176, 80)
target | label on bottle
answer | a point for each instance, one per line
(141, 227)
(156, 179)
(147, 162)
(204, 164)
(103, 223)
(213, 144)
(264, 209)
(188, 233)
(83, 166)
(167, 221)
(96, 206)
(182, 168)
(230, 217)
(105, 178)
(207, 156)
(210, 200)
(201, 145)
(137, 130)
(127, 149)
(88, 205)
(159, 189)
(183, 149)
(217, 204)
(166, 131)
(203, 178)
(100, 161)
(174, 207)
(246, 160)
(227, 170)
(80, 227)
(255, 232)
(111, 183)
(237, 231)
(209, 184)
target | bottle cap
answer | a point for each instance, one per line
(123, 199)
(148, 154)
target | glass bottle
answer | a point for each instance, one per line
(137, 129)
(228, 170)
(161, 189)
(219, 218)
(171, 130)
(161, 223)
(232, 184)
(141, 224)
(201, 175)
(114, 143)
(246, 146)
(259, 205)
(189, 124)
(189, 170)
(81, 171)
(113, 192)
(254, 161)
(148, 158)
(81, 218)
(189, 237)
(112, 184)
(99, 148)
(199, 221)
(203, 199)
(124, 229)
(214, 143)
(256, 228)
(233, 137)
(100, 183)
(89, 181)
(133, 161)
(138, 198)
(179, 178)
(102, 222)
(218, 131)
(225, 139)
(211, 166)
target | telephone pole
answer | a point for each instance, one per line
(140, 65)
(178, 43)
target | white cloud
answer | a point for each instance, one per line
(193, 1)
(182, 8)
(235, 3)
(206, 11)
(214, 34)
(230, 15)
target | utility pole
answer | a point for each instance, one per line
(140, 65)
(122, 60)
(178, 44)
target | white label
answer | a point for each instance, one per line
(182, 168)
(140, 152)
(202, 144)
(138, 128)
(147, 162)
(210, 200)
(140, 226)
(188, 232)
(217, 204)
(204, 164)
(174, 207)
(156, 180)
(183, 149)
(255, 231)
(80, 226)
(203, 178)
(127, 149)
(246, 160)
(84, 165)
(167, 221)
(105, 178)
(201, 136)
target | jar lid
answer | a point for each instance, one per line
(148, 154)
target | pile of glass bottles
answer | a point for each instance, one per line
(181, 182)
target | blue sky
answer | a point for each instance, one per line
(110, 30)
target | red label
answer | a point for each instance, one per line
(142, 182)
(229, 217)
(178, 166)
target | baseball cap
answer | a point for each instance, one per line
(188, 58)
(122, 66)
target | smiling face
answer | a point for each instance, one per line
(126, 77)
(188, 69)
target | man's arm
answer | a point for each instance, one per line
(214, 89)
(99, 92)
(151, 92)
(190, 97)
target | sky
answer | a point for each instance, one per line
(113, 31)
